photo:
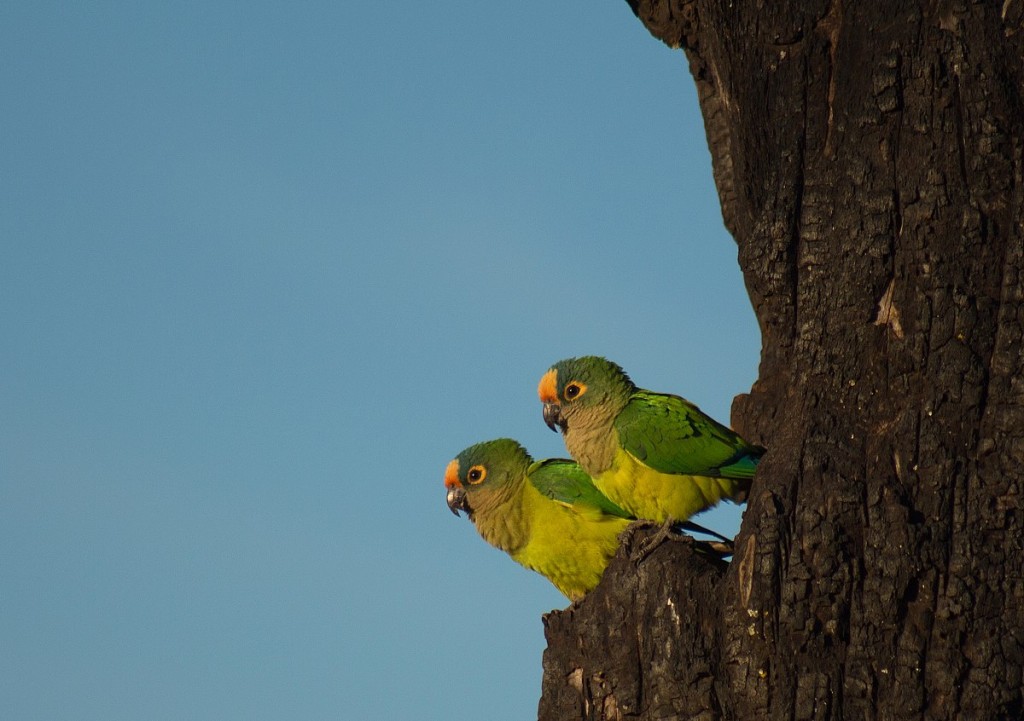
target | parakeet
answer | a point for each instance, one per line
(655, 455)
(547, 515)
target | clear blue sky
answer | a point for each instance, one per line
(265, 268)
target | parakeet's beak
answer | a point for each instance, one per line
(553, 417)
(456, 496)
(457, 501)
(547, 389)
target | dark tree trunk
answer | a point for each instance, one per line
(868, 156)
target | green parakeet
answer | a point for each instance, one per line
(653, 454)
(547, 515)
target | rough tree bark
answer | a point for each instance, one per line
(868, 157)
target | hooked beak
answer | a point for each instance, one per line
(457, 501)
(553, 417)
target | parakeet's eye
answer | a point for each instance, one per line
(574, 390)
(476, 475)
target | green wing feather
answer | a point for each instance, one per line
(672, 435)
(565, 482)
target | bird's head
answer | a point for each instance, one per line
(485, 474)
(578, 386)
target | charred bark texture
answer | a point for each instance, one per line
(677, 675)
(868, 157)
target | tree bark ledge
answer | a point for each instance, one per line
(621, 652)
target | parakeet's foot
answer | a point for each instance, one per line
(669, 531)
(647, 546)
(627, 536)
